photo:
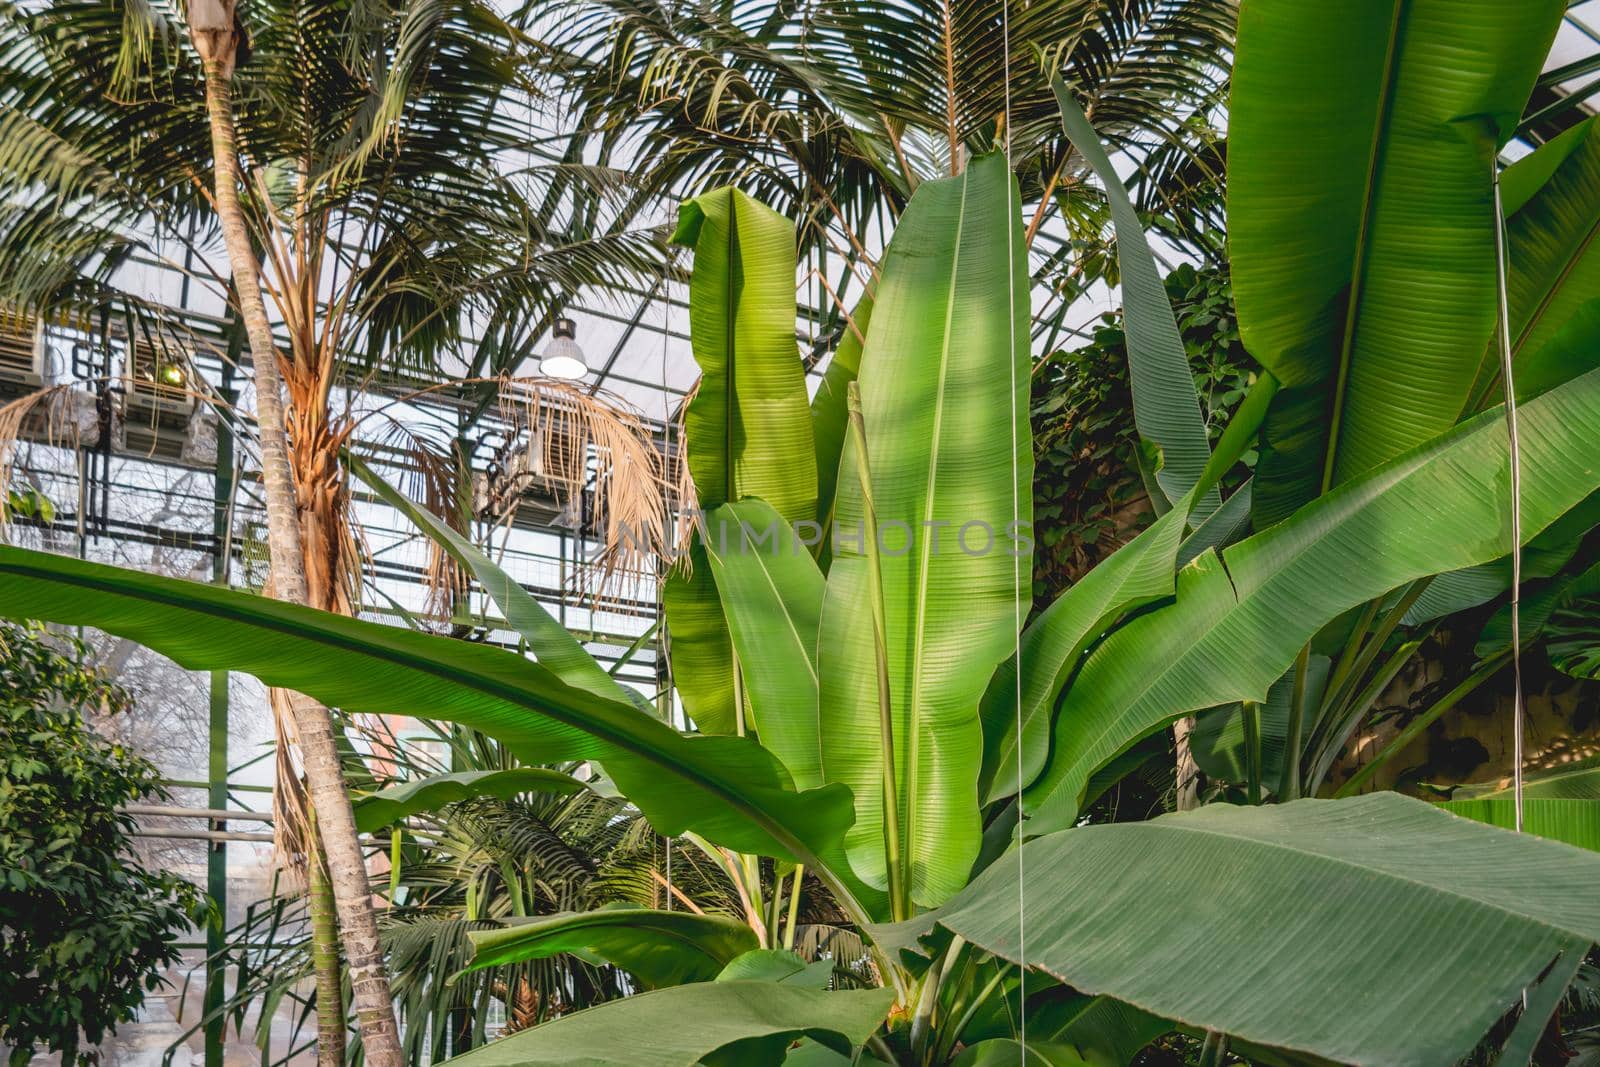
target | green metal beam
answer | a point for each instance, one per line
(217, 760)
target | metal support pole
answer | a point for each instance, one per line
(217, 762)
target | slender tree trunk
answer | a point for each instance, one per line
(325, 961)
(1188, 797)
(330, 800)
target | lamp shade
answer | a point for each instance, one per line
(563, 358)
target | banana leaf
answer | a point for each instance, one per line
(771, 593)
(1552, 203)
(659, 948)
(1138, 573)
(1240, 619)
(747, 430)
(1295, 900)
(1561, 804)
(719, 1024)
(828, 416)
(1575, 822)
(1574, 349)
(1361, 141)
(387, 806)
(698, 645)
(944, 393)
(778, 965)
(727, 788)
(1007, 1052)
(748, 427)
(1166, 405)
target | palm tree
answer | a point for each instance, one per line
(217, 35)
(832, 111)
(353, 161)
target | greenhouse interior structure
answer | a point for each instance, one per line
(896, 533)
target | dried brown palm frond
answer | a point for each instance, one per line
(590, 455)
(45, 416)
(291, 823)
(597, 459)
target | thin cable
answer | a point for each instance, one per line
(1016, 519)
(663, 643)
(1516, 499)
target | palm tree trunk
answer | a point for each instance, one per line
(336, 828)
(325, 961)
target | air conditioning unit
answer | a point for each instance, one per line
(537, 482)
(156, 402)
(22, 357)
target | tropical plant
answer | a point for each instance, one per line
(1369, 356)
(473, 850)
(349, 161)
(86, 929)
(925, 756)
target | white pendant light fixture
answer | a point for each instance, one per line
(563, 359)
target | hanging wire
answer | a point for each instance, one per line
(1507, 382)
(1016, 518)
(663, 645)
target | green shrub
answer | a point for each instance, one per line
(84, 929)
(1088, 497)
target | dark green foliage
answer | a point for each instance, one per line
(84, 929)
(1088, 496)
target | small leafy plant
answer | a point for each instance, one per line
(85, 929)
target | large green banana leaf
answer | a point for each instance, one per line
(747, 429)
(1572, 350)
(1576, 822)
(1239, 620)
(1361, 140)
(1552, 204)
(1579, 781)
(718, 1024)
(377, 810)
(1166, 405)
(1561, 804)
(551, 643)
(1075, 1031)
(778, 965)
(944, 395)
(1007, 1052)
(698, 646)
(771, 593)
(727, 788)
(1137, 573)
(659, 948)
(1241, 919)
(1167, 411)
